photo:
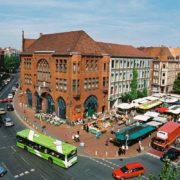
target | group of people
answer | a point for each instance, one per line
(122, 150)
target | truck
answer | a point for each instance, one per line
(166, 135)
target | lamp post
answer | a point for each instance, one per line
(127, 137)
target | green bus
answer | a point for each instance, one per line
(53, 150)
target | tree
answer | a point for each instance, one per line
(134, 84)
(11, 62)
(176, 85)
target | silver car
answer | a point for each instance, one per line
(8, 122)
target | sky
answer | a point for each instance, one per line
(132, 22)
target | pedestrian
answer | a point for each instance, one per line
(123, 149)
(107, 142)
(77, 138)
(119, 151)
(73, 138)
(78, 132)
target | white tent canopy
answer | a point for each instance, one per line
(175, 109)
(169, 99)
(125, 106)
(152, 114)
(151, 98)
(154, 123)
(141, 118)
(160, 119)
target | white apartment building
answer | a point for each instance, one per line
(121, 74)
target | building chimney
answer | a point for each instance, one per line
(40, 34)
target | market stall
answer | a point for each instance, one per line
(160, 119)
(142, 118)
(154, 123)
(151, 114)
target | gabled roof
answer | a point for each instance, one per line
(74, 41)
(122, 50)
(163, 53)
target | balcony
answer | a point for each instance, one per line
(76, 95)
(43, 88)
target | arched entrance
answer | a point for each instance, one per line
(61, 108)
(49, 105)
(90, 106)
(29, 98)
(38, 100)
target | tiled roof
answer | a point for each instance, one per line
(27, 43)
(74, 41)
(122, 50)
(157, 52)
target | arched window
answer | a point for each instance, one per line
(29, 98)
(61, 108)
(49, 104)
(38, 103)
(43, 74)
(90, 106)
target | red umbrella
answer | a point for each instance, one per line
(161, 109)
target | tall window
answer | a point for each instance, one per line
(43, 73)
(74, 86)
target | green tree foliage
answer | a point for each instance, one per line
(126, 97)
(11, 62)
(134, 84)
(176, 85)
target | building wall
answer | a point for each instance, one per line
(121, 74)
(164, 75)
(87, 70)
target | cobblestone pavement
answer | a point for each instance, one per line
(93, 147)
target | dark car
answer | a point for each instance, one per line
(10, 107)
(3, 171)
(171, 154)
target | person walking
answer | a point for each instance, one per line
(119, 151)
(107, 142)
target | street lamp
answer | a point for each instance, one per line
(127, 137)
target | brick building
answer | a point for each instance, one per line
(66, 73)
(166, 66)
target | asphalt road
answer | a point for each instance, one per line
(22, 165)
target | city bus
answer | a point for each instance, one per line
(53, 150)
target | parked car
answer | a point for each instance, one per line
(3, 171)
(8, 122)
(171, 154)
(5, 100)
(2, 111)
(10, 107)
(14, 88)
(10, 96)
(129, 170)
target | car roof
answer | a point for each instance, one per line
(134, 165)
(2, 169)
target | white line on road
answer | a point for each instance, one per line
(145, 177)
(13, 149)
(16, 176)
(26, 172)
(2, 147)
(32, 170)
(22, 174)
(24, 160)
(43, 177)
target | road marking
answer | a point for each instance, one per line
(2, 147)
(16, 176)
(26, 172)
(22, 174)
(153, 155)
(32, 170)
(24, 160)
(145, 177)
(13, 149)
(43, 177)
(110, 162)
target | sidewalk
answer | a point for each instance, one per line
(93, 147)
